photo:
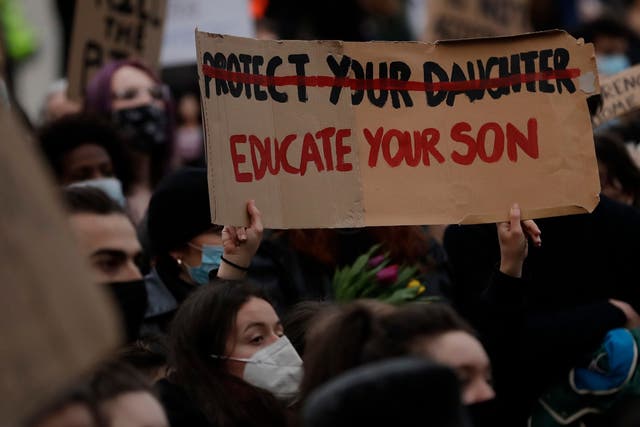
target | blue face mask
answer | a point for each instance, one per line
(609, 65)
(211, 258)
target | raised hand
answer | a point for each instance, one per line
(514, 246)
(240, 245)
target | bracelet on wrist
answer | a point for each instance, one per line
(234, 265)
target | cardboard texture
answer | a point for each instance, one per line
(105, 30)
(386, 133)
(462, 19)
(56, 322)
(620, 95)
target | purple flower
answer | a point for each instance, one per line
(376, 261)
(388, 274)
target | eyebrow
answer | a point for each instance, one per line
(260, 324)
(109, 252)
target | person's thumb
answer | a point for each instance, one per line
(514, 217)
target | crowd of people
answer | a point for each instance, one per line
(516, 323)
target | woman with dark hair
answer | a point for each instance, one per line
(186, 248)
(368, 331)
(131, 95)
(231, 364)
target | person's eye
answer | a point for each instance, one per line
(109, 265)
(107, 170)
(81, 175)
(156, 92)
(257, 340)
(127, 94)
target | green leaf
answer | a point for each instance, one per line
(406, 274)
(402, 295)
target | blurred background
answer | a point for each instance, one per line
(36, 33)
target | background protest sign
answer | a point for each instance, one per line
(332, 134)
(105, 30)
(461, 19)
(220, 16)
(620, 95)
(56, 322)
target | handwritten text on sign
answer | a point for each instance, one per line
(107, 30)
(620, 95)
(376, 129)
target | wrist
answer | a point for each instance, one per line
(234, 265)
(513, 269)
(238, 260)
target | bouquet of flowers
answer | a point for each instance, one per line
(373, 276)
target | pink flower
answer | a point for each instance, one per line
(388, 274)
(376, 261)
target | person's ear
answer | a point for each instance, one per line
(177, 255)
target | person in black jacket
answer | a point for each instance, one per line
(573, 289)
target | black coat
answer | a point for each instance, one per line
(537, 328)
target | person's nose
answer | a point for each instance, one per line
(481, 391)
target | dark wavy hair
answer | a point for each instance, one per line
(366, 331)
(200, 329)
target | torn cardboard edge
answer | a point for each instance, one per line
(532, 213)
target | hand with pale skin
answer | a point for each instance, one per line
(514, 238)
(240, 244)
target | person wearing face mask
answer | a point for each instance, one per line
(185, 247)
(85, 150)
(613, 42)
(108, 240)
(231, 363)
(129, 93)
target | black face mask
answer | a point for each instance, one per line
(144, 127)
(131, 299)
(484, 414)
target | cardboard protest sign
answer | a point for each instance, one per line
(620, 95)
(56, 321)
(462, 19)
(105, 30)
(333, 134)
(220, 16)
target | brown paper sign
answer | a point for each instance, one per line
(105, 30)
(333, 134)
(620, 95)
(462, 19)
(56, 321)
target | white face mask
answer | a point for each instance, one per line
(276, 368)
(111, 186)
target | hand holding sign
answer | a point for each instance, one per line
(514, 246)
(240, 245)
